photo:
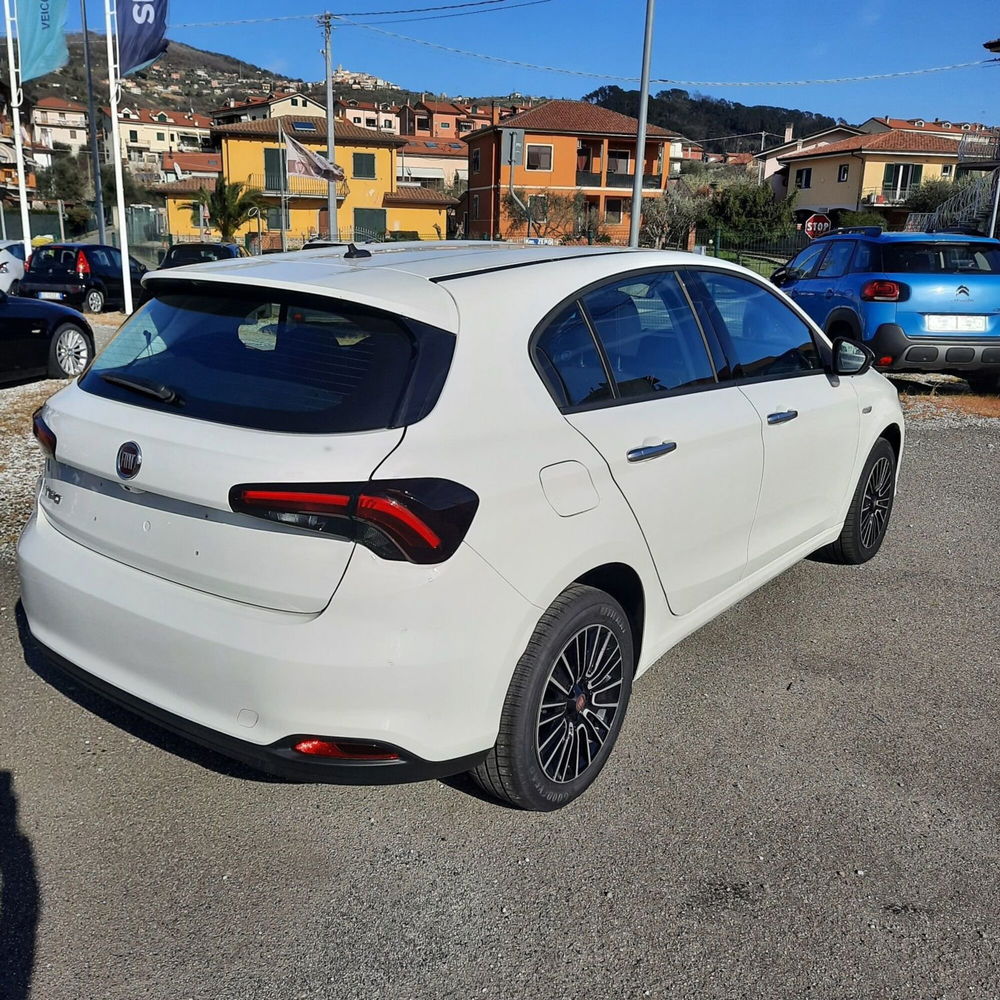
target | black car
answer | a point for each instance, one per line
(197, 253)
(41, 338)
(87, 276)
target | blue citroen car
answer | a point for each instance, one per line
(920, 301)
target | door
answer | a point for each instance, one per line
(810, 421)
(23, 338)
(686, 452)
(106, 267)
(369, 223)
(831, 289)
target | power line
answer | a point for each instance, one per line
(367, 13)
(634, 79)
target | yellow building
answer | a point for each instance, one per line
(370, 205)
(868, 171)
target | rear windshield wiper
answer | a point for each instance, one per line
(146, 388)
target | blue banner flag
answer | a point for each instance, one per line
(142, 25)
(41, 36)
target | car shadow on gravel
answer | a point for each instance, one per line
(90, 701)
(20, 900)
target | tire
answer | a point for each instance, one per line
(871, 507)
(15, 288)
(70, 351)
(985, 384)
(558, 724)
(93, 301)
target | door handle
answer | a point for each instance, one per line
(829, 293)
(782, 416)
(649, 451)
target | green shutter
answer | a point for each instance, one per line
(364, 166)
(274, 170)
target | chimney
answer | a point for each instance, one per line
(789, 129)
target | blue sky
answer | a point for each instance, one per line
(724, 40)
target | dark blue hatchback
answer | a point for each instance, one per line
(920, 301)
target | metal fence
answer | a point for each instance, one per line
(761, 255)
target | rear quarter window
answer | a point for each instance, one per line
(273, 361)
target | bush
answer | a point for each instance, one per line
(402, 235)
(850, 220)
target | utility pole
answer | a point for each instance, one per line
(640, 142)
(331, 144)
(760, 168)
(95, 157)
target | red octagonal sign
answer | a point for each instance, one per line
(817, 225)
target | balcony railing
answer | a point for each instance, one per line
(588, 178)
(887, 195)
(294, 186)
(976, 148)
(617, 180)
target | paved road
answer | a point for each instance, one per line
(803, 803)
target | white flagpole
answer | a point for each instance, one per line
(16, 97)
(110, 12)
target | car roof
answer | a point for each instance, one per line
(411, 278)
(938, 237)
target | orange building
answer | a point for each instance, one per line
(577, 174)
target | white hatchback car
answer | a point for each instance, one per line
(408, 511)
(11, 266)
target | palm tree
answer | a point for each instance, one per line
(228, 206)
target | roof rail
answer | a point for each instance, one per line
(857, 230)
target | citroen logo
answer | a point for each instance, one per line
(129, 460)
(962, 290)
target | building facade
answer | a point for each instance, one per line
(58, 122)
(277, 104)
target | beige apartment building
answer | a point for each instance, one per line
(58, 122)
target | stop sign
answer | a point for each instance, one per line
(817, 225)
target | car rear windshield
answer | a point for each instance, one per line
(195, 254)
(941, 258)
(271, 360)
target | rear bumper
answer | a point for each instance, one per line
(70, 294)
(933, 354)
(416, 658)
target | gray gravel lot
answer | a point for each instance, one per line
(803, 803)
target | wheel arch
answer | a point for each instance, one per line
(893, 433)
(843, 317)
(622, 583)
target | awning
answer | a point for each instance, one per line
(406, 172)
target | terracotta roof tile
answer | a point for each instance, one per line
(58, 104)
(578, 117)
(424, 196)
(434, 147)
(202, 162)
(343, 131)
(895, 141)
(186, 186)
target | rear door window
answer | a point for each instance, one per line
(650, 336)
(269, 360)
(941, 258)
(835, 263)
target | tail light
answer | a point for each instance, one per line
(82, 264)
(881, 290)
(27, 263)
(43, 433)
(419, 520)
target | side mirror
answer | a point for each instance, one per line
(850, 357)
(780, 276)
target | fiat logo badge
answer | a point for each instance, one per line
(129, 460)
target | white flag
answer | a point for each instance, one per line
(305, 163)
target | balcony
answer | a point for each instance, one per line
(887, 196)
(977, 149)
(273, 184)
(617, 180)
(588, 178)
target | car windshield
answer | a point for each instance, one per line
(268, 360)
(941, 258)
(194, 254)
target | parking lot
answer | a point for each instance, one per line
(803, 803)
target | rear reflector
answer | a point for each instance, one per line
(344, 750)
(883, 361)
(420, 520)
(43, 433)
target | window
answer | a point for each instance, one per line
(356, 119)
(309, 126)
(866, 259)
(72, 133)
(295, 102)
(364, 166)
(272, 360)
(444, 125)
(133, 135)
(941, 258)
(538, 157)
(371, 123)
(899, 178)
(619, 161)
(464, 127)
(803, 177)
(842, 172)
(802, 265)
(386, 123)
(274, 218)
(764, 338)
(836, 261)
(475, 206)
(161, 137)
(650, 337)
(173, 137)
(475, 161)
(613, 211)
(424, 123)
(570, 363)
(946, 169)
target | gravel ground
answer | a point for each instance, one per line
(803, 803)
